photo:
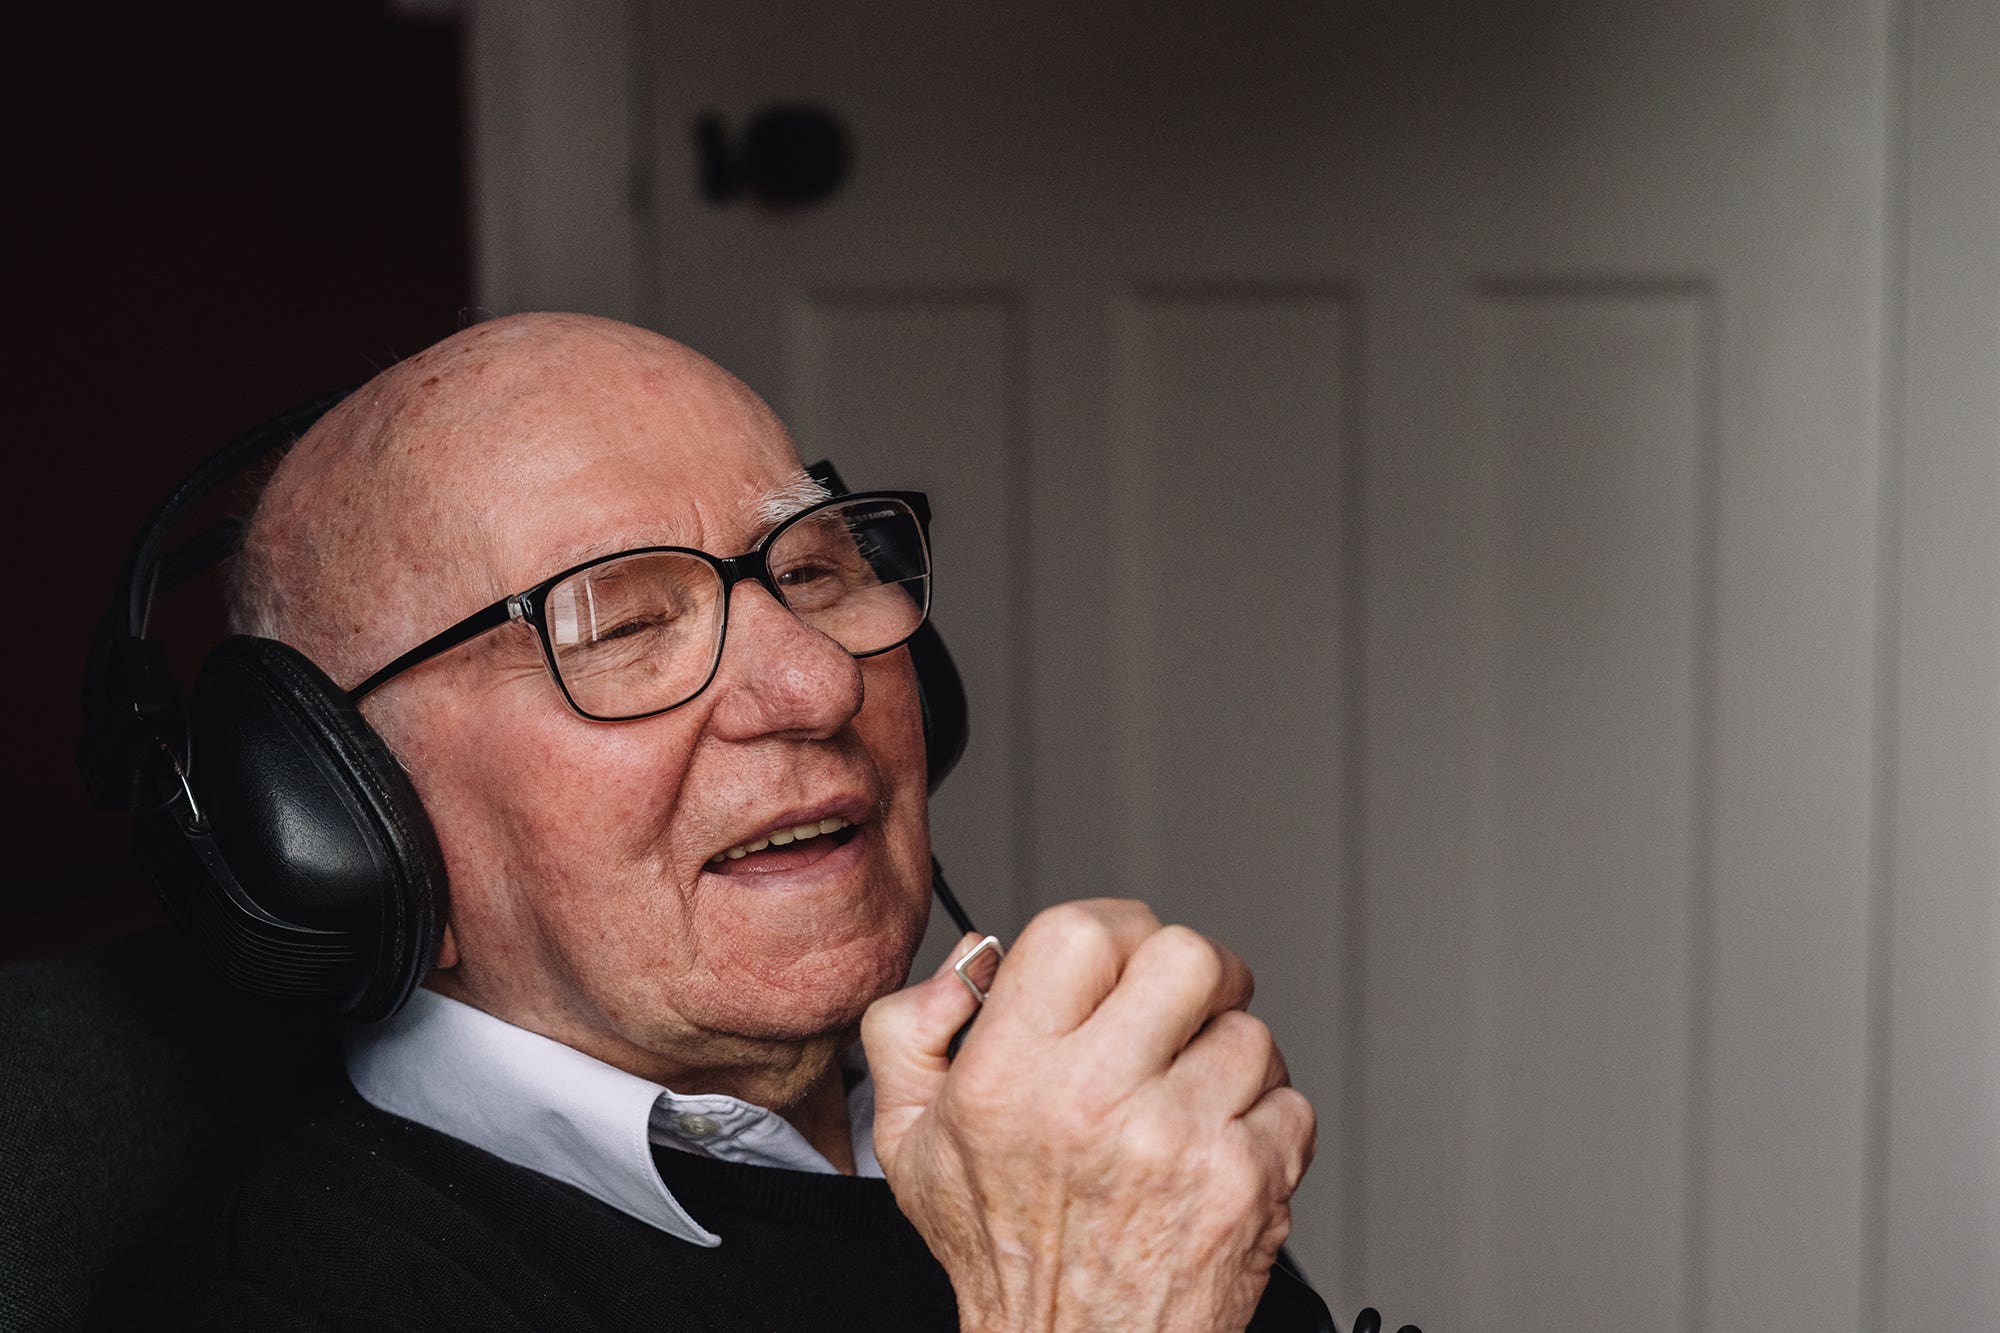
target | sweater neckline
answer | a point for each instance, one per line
(714, 1189)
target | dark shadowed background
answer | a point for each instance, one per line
(219, 211)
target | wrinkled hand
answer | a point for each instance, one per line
(1117, 1143)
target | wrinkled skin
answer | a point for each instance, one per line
(1116, 1145)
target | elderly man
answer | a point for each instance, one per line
(686, 868)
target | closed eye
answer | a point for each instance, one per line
(625, 629)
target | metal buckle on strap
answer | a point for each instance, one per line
(989, 945)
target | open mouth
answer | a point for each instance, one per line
(785, 849)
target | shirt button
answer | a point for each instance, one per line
(696, 1126)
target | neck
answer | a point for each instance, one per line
(821, 1116)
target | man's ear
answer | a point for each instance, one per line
(447, 949)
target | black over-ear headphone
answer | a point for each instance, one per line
(282, 835)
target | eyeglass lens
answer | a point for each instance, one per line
(642, 633)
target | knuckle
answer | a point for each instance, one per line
(1302, 1129)
(1153, 1145)
(1261, 1054)
(1243, 1184)
(1072, 916)
(1068, 923)
(1128, 907)
(872, 1025)
(1085, 929)
(1243, 1044)
(1249, 1032)
(1308, 1118)
(883, 1019)
(1188, 953)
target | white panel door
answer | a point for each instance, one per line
(1408, 483)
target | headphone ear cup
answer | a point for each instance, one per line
(942, 697)
(316, 825)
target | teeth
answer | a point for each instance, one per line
(783, 837)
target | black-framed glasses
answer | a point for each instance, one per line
(634, 634)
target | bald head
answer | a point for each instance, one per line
(398, 512)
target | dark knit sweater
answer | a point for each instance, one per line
(363, 1220)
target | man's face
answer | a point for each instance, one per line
(586, 900)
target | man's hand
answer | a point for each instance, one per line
(1117, 1143)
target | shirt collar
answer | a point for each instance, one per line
(552, 1109)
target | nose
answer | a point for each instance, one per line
(778, 675)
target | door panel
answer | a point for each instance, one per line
(1597, 451)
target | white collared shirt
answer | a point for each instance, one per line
(543, 1105)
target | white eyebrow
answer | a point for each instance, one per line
(781, 502)
(767, 511)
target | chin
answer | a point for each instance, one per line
(823, 996)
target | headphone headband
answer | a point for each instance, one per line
(131, 706)
(143, 566)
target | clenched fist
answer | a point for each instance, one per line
(1117, 1143)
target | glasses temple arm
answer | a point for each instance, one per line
(472, 626)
